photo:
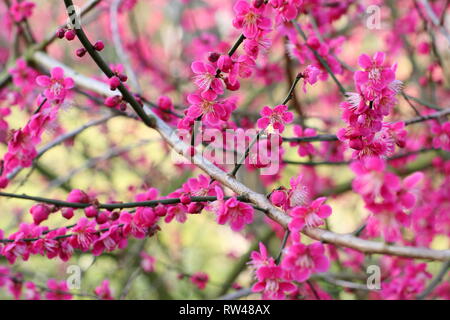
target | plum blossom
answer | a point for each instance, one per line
(261, 258)
(21, 10)
(236, 213)
(375, 74)
(56, 85)
(277, 117)
(301, 261)
(250, 19)
(200, 280)
(304, 148)
(147, 262)
(103, 291)
(311, 216)
(57, 290)
(206, 80)
(211, 111)
(271, 283)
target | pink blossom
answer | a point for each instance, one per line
(83, 234)
(57, 290)
(56, 85)
(298, 194)
(250, 19)
(311, 216)
(271, 283)
(374, 74)
(304, 148)
(147, 262)
(441, 137)
(211, 110)
(277, 117)
(301, 261)
(310, 75)
(237, 213)
(206, 80)
(23, 76)
(178, 212)
(261, 258)
(21, 10)
(103, 291)
(200, 280)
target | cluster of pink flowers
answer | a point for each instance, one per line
(22, 145)
(386, 195)
(53, 290)
(365, 109)
(104, 230)
(300, 261)
(224, 70)
(21, 10)
(277, 281)
(405, 280)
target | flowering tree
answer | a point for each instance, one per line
(282, 149)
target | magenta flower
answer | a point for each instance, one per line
(237, 213)
(261, 258)
(278, 198)
(21, 10)
(103, 291)
(211, 110)
(84, 234)
(242, 67)
(277, 117)
(205, 78)
(311, 216)
(374, 74)
(57, 290)
(147, 262)
(131, 224)
(107, 241)
(250, 19)
(286, 10)
(200, 279)
(310, 75)
(298, 194)
(304, 148)
(272, 283)
(56, 85)
(23, 76)
(301, 261)
(371, 181)
(179, 212)
(441, 137)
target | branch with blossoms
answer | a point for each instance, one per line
(396, 173)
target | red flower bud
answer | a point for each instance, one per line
(70, 35)
(99, 45)
(114, 83)
(60, 33)
(80, 52)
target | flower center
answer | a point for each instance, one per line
(375, 74)
(272, 285)
(207, 106)
(305, 262)
(250, 18)
(57, 87)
